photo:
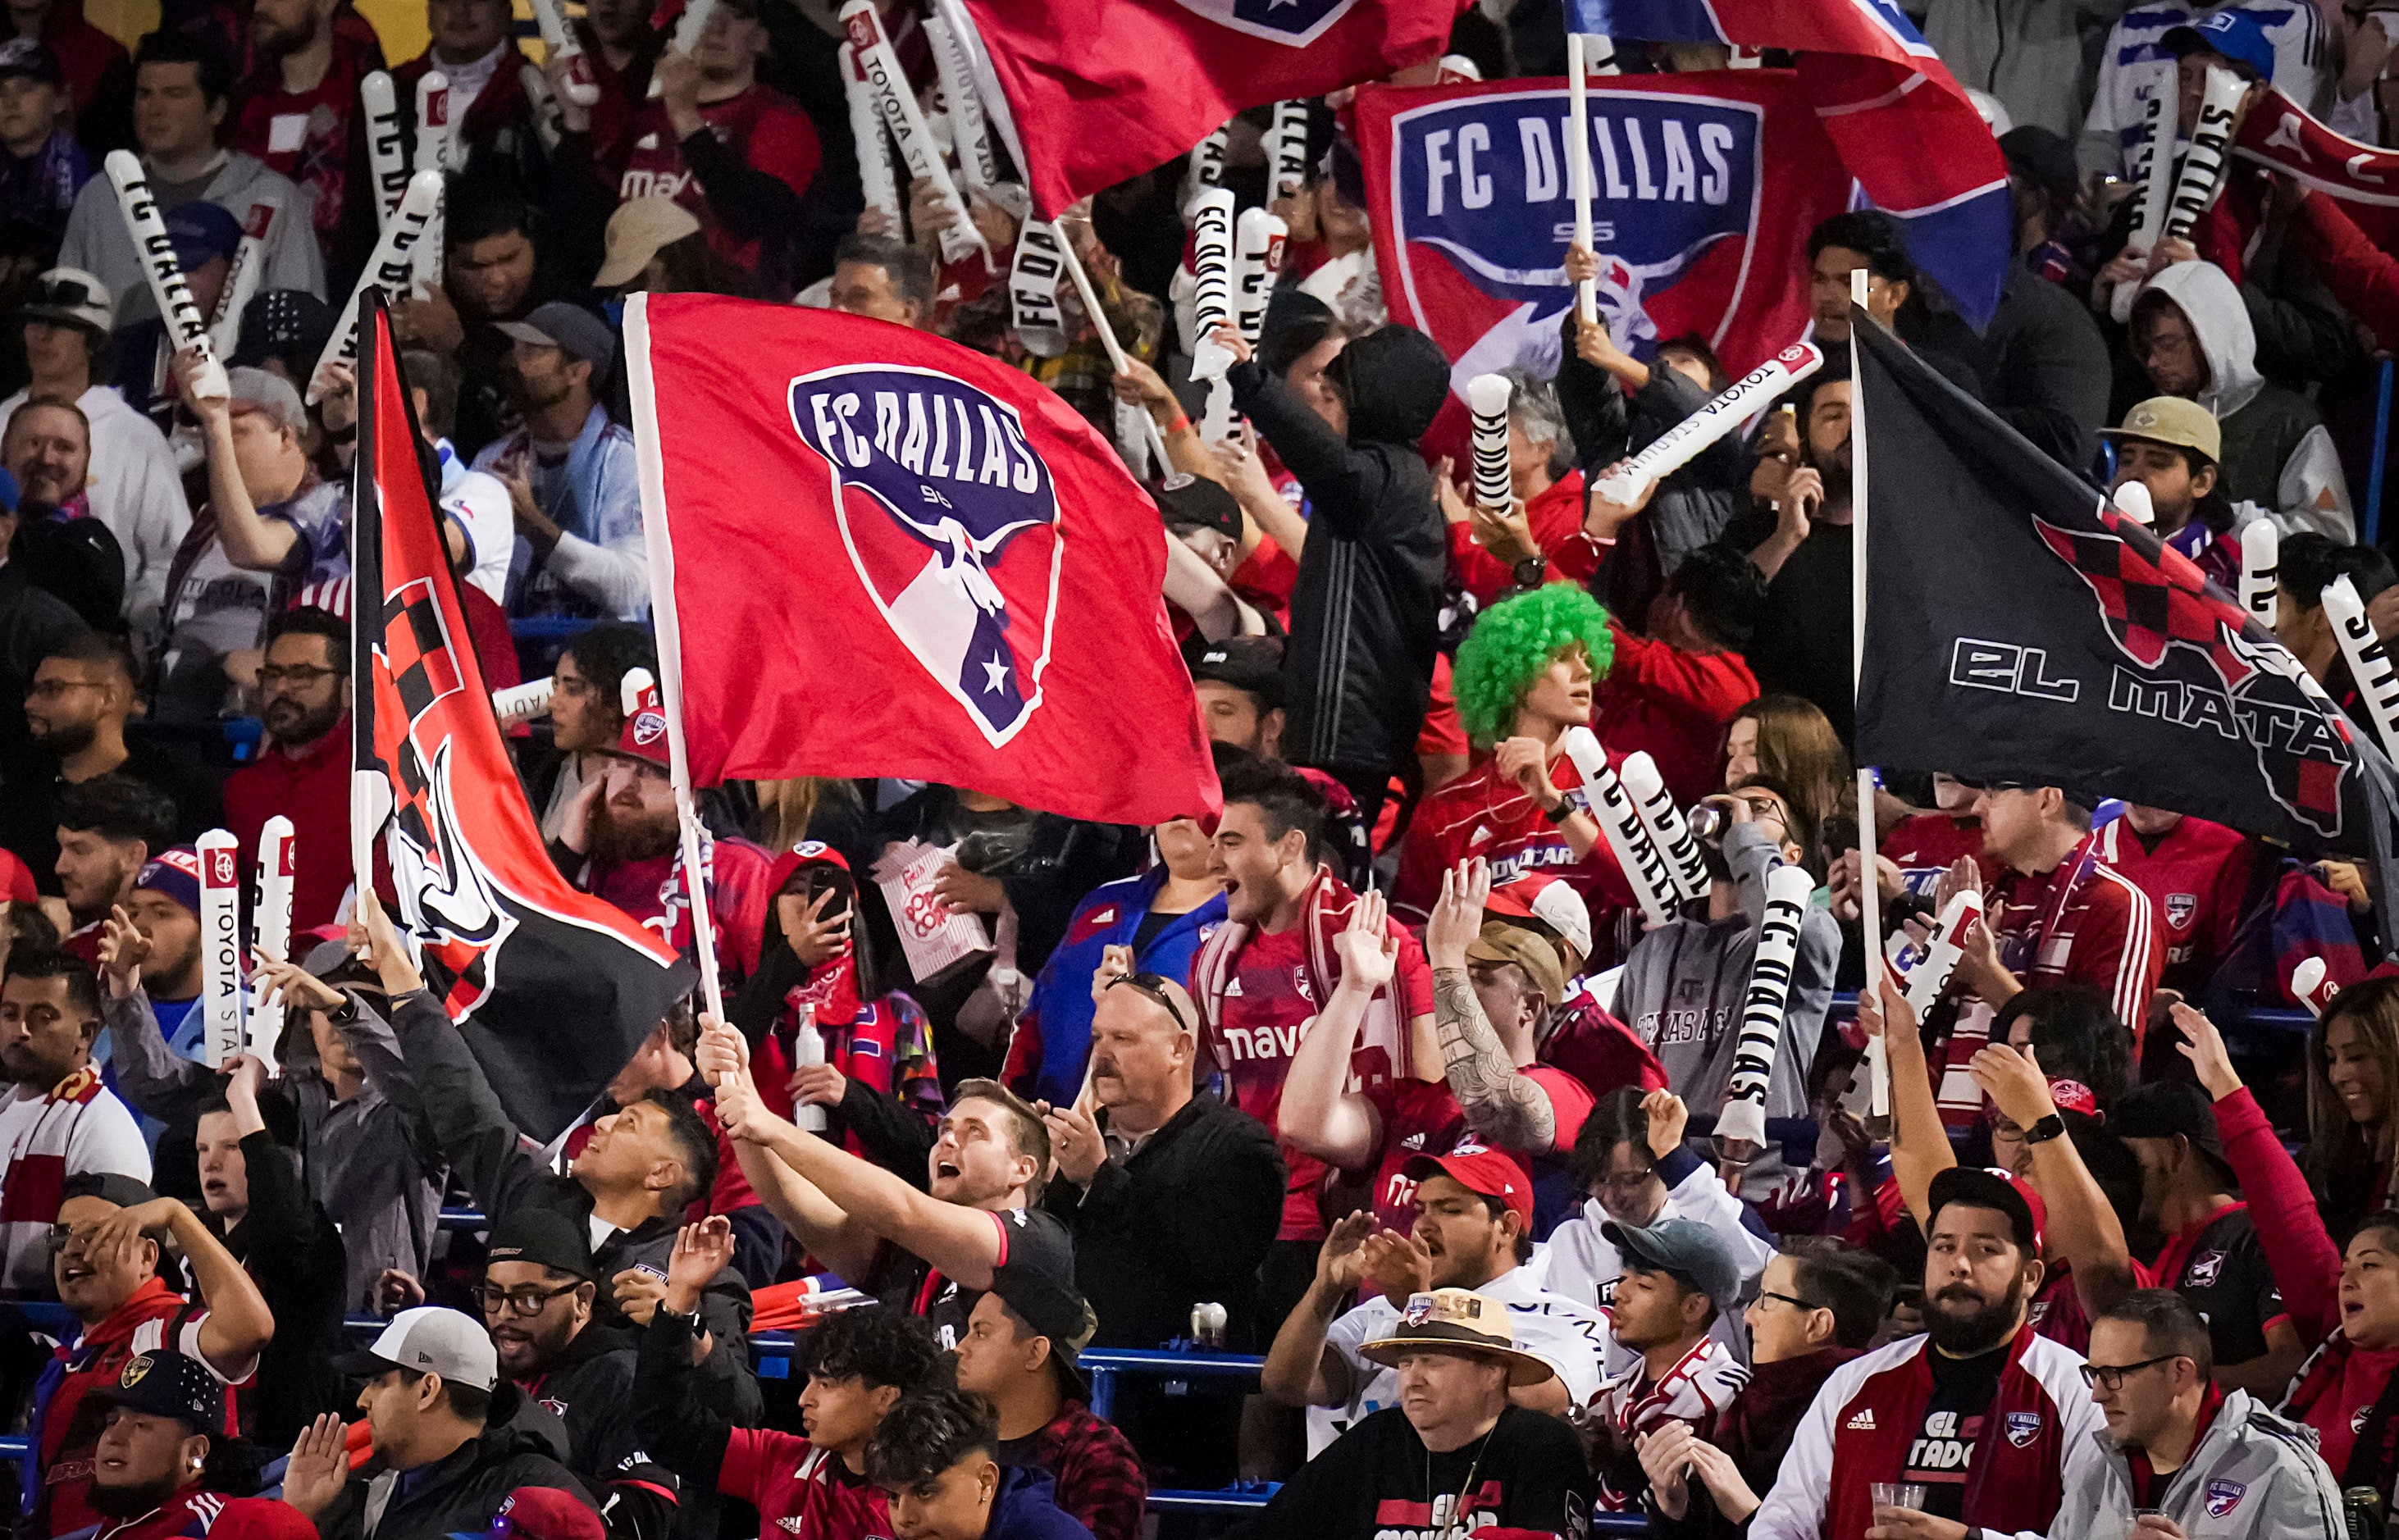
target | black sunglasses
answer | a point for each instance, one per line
(1154, 986)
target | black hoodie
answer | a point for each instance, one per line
(521, 1446)
(589, 1390)
(1364, 611)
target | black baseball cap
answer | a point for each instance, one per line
(160, 1384)
(1979, 1188)
(544, 1237)
(1251, 663)
(1041, 1289)
(109, 1186)
(1195, 503)
(2162, 1109)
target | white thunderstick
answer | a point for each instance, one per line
(1941, 953)
(558, 40)
(1212, 306)
(389, 268)
(185, 325)
(2261, 570)
(1667, 828)
(1771, 971)
(386, 144)
(1675, 448)
(433, 153)
(220, 946)
(270, 919)
(906, 121)
(244, 276)
(1487, 396)
(1643, 863)
(2369, 663)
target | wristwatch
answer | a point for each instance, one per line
(1529, 572)
(1564, 809)
(2046, 1129)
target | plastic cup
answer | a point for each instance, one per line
(1897, 1495)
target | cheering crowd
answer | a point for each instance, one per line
(1396, 1075)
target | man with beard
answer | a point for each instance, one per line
(569, 472)
(1266, 973)
(1800, 542)
(81, 698)
(538, 1296)
(107, 828)
(164, 1419)
(621, 842)
(303, 690)
(299, 114)
(59, 1122)
(166, 912)
(1988, 1420)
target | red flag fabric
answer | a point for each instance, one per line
(553, 989)
(2277, 134)
(874, 553)
(1101, 90)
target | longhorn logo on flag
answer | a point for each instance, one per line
(951, 523)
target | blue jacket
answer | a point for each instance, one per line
(1026, 1507)
(1053, 1035)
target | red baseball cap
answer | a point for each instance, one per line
(546, 1513)
(1479, 1169)
(644, 736)
(1551, 902)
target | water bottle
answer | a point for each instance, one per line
(808, 1048)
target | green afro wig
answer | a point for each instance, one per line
(1509, 646)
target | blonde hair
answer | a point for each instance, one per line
(786, 807)
(1798, 750)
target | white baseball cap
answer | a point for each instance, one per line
(430, 1339)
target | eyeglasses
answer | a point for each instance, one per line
(1625, 1181)
(294, 673)
(2111, 1377)
(1154, 987)
(527, 1300)
(1792, 1299)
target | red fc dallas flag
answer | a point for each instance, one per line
(2275, 134)
(1101, 90)
(553, 989)
(879, 554)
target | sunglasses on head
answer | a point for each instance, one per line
(1154, 986)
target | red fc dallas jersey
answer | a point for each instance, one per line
(1270, 1001)
(195, 1514)
(762, 126)
(1482, 813)
(2196, 877)
(800, 1493)
(2087, 922)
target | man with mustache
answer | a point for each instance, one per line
(1989, 1419)
(304, 691)
(620, 842)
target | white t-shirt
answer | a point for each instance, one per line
(1570, 1338)
(2136, 42)
(79, 1128)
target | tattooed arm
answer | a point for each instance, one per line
(1504, 1106)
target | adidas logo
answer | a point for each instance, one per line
(1233, 990)
(1863, 1423)
(1482, 832)
(1414, 1141)
(788, 1522)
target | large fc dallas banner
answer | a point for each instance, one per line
(877, 553)
(1704, 188)
(553, 989)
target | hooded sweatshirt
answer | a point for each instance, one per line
(98, 242)
(1364, 626)
(1687, 980)
(2252, 1474)
(2276, 451)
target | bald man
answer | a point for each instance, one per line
(1171, 1197)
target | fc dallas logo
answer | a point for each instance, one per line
(951, 521)
(1297, 22)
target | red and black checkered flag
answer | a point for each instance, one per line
(554, 988)
(2019, 628)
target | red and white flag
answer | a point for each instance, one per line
(1101, 90)
(874, 553)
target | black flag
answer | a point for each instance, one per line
(2019, 628)
(553, 989)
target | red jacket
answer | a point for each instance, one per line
(84, 52)
(312, 789)
(1675, 705)
(1555, 517)
(2040, 1422)
(2362, 276)
(195, 1513)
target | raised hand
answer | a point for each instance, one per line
(2204, 1045)
(123, 950)
(1369, 954)
(1457, 915)
(319, 1466)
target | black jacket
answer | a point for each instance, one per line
(468, 1125)
(1186, 1220)
(590, 1390)
(1365, 612)
(2041, 364)
(292, 1247)
(522, 1446)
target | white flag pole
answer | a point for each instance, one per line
(650, 462)
(1578, 168)
(271, 919)
(1869, 894)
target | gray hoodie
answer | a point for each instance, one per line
(98, 242)
(2277, 453)
(1685, 983)
(2254, 1476)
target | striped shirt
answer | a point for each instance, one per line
(79, 1127)
(2137, 40)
